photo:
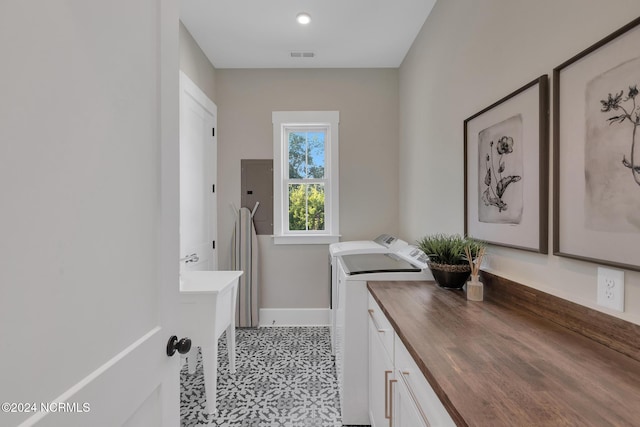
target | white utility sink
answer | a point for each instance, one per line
(207, 309)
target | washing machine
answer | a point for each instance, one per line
(384, 243)
(352, 360)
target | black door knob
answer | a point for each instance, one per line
(182, 346)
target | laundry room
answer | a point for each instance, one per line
(232, 213)
(401, 158)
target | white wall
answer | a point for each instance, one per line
(296, 276)
(468, 55)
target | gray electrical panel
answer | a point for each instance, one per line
(256, 185)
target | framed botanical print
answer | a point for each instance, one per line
(596, 169)
(506, 148)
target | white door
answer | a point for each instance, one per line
(198, 151)
(89, 217)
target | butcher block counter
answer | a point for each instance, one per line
(492, 365)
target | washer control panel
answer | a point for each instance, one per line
(413, 255)
(390, 242)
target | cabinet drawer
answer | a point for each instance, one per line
(428, 404)
(383, 326)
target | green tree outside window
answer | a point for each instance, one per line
(306, 161)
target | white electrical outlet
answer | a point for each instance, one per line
(611, 288)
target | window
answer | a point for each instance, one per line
(305, 153)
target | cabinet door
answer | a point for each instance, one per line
(380, 376)
(405, 411)
(427, 403)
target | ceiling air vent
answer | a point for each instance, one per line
(302, 54)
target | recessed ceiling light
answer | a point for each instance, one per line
(303, 18)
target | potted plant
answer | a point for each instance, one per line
(448, 261)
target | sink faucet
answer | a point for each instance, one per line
(190, 258)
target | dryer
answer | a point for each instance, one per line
(351, 346)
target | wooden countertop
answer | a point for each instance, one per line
(494, 366)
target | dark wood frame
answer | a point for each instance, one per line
(556, 148)
(543, 151)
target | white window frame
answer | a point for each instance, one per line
(283, 120)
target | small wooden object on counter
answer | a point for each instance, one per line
(474, 289)
(474, 286)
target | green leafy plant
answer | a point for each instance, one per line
(450, 248)
(306, 207)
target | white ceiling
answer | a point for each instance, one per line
(342, 33)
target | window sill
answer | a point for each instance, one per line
(305, 239)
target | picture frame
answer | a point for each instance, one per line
(596, 172)
(506, 170)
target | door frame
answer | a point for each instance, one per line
(189, 88)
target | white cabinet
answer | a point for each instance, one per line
(406, 411)
(380, 366)
(413, 386)
(399, 394)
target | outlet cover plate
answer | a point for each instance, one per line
(611, 288)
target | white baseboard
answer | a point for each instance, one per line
(294, 317)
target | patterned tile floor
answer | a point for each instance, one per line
(285, 377)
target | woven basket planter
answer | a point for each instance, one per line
(450, 276)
